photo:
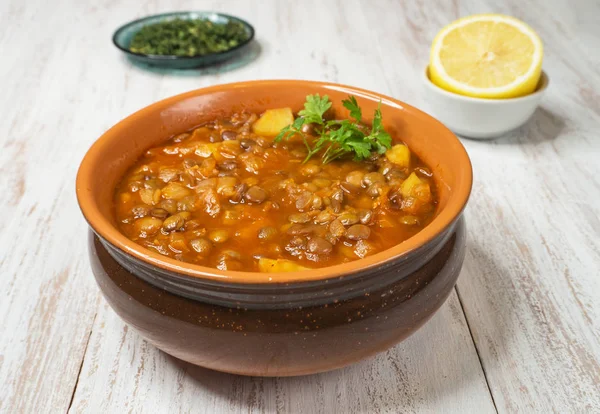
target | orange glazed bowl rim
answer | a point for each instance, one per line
(445, 217)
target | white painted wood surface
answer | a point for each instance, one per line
(525, 334)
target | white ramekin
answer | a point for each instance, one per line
(477, 117)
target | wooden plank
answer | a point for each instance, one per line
(121, 370)
(530, 286)
(530, 289)
(48, 299)
(436, 367)
(50, 103)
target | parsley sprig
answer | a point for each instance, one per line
(338, 138)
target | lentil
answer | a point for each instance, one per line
(223, 196)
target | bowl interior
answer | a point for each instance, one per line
(123, 36)
(108, 159)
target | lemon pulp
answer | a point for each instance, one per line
(487, 56)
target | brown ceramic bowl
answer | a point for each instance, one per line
(289, 323)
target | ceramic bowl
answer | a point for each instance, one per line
(481, 118)
(123, 36)
(288, 323)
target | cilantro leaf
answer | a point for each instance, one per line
(290, 130)
(314, 109)
(381, 140)
(384, 141)
(361, 148)
(338, 138)
(283, 133)
(377, 126)
(351, 105)
(298, 123)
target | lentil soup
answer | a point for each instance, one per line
(228, 195)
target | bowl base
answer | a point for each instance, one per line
(280, 342)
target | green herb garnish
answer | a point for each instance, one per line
(336, 138)
(181, 37)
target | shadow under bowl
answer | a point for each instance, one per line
(290, 323)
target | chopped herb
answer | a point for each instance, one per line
(338, 138)
(181, 37)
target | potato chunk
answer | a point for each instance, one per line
(203, 149)
(272, 121)
(416, 194)
(175, 191)
(399, 155)
(409, 185)
(279, 265)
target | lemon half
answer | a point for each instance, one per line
(487, 56)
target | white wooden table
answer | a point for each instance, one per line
(521, 333)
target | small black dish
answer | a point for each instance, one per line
(123, 36)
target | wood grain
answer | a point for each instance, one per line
(530, 286)
(122, 371)
(529, 289)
